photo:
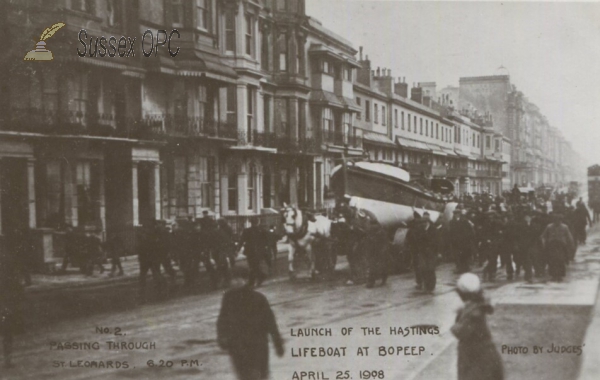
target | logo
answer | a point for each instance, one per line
(41, 53)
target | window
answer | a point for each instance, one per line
(206, 178)
(180, 187)
(328, 123)
(396, 118)
(358, 102)
(402, 116)
(328, 67)
(284, 115)
(473, 140)
(88, 195)
(421, 125)
(383, 116)
(50, 91)
(415, 124)
(177, 11)
(497, 145)
(367, 110)
(231, 103)
(267, 113)
(230, 31)
(408, 117)
(346, 120)
(249, 36)
(437, 134)
(78, 91)
(264, 59)
(232, 190)
(83, 5)
(202, 14)
(487, 142)
(250, 113)
(250, 185)
(478, 142)
(348, 74)
(283, 60)
(375, 113)
(202, 102)
(427, 128)
(113, 8)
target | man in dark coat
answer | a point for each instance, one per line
(558, 242)
(527, 239)
(254, 241)
(462, 240)
(271, 255)
(163, 248)
(11, 300)
(149, 259)
(491, 235)
(426, 247)
(581, 218)
(243, 328)
(375, 247)
(539, 222)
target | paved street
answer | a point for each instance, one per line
(183, 328)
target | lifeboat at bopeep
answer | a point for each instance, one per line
(388, 192)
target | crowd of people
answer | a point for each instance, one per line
(533, 235)
(185, 244)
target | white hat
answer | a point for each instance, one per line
(468, 283)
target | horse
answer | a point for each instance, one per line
(303, 230)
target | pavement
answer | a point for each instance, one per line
(590, 368)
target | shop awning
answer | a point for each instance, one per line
(460, 153)
(437, 150)
(413, 144)
(202, 64)
(449, 152)
(378, 138)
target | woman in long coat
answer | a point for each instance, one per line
(478, 358)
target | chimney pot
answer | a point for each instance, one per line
(361, 52)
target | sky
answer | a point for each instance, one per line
(551, 50)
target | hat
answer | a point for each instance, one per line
(469, 283)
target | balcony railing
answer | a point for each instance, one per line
(152, 126)
(338, 138)
(417, 169)
(457, 172)
(462, 172)
(189, 126)
(283, 143)
(488, 173)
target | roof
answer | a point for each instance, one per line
(378, 138)
(320, 96)
(314, 23)
(412, 144)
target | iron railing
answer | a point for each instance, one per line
(151, 126)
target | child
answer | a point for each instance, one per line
(478, 357)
